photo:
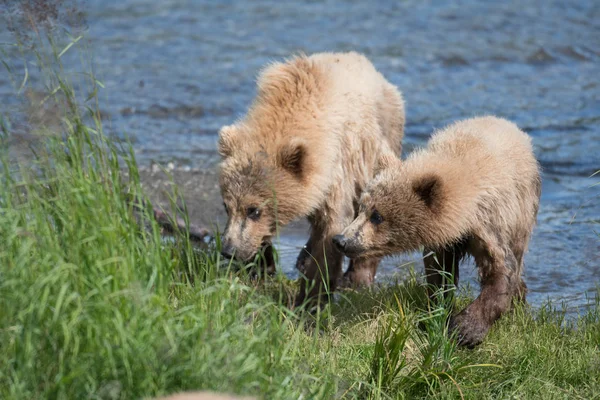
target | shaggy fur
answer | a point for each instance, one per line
(474, 190)
(306, 148)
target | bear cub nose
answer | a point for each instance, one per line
(339, 241)
(227, 251)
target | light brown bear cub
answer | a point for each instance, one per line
(474, 190)
(307, 147)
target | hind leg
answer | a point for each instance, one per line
(521, 288)
(441, 267)
(519, 247)
(499, 281)
(361, 271)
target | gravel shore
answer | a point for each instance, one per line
(200, 191)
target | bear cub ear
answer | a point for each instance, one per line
(292, 157)
(429, 190)
(226, 143)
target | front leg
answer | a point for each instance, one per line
(321, 265)
(442, 268)
(305, 253)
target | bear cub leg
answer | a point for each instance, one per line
(442, 268)
(321, 264)
(498, 269)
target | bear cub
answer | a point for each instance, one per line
(307, 147)
(474, 190)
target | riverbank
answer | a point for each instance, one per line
(568, 281)
(93, 305)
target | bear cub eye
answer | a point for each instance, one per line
(376, 218)
(253, 213)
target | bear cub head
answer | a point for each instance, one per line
(395, 213)
(262, 186)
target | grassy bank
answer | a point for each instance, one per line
(95, 304)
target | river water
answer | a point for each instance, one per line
(174, 71)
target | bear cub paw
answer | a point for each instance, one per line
(470, 327)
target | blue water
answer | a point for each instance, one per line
(175, 71)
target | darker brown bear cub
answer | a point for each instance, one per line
(474, 190)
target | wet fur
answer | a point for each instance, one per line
(307, 148)
(473, 191)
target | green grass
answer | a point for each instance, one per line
(95, 304)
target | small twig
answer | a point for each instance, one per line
(172, 225)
